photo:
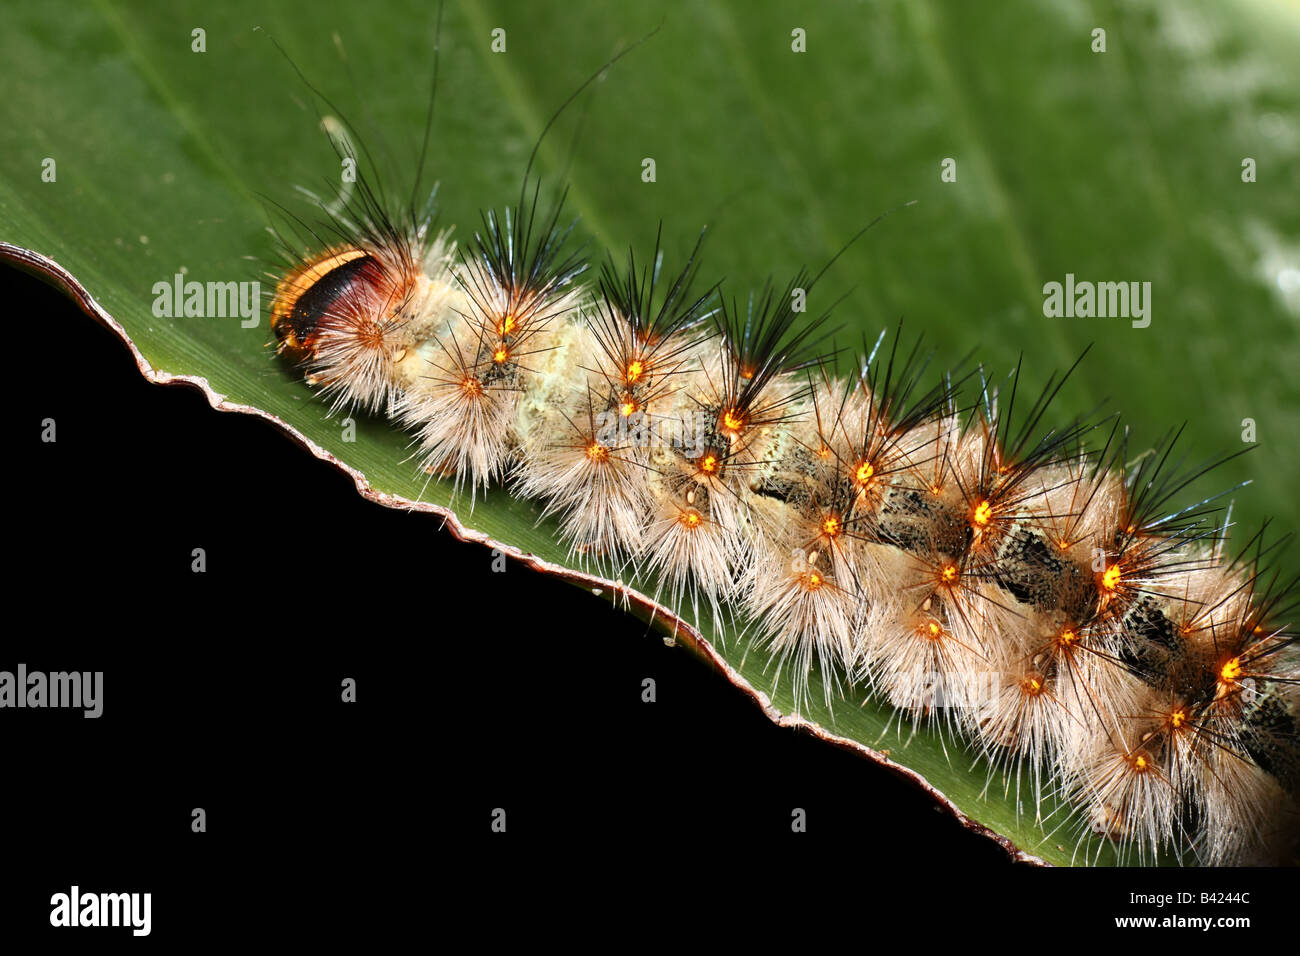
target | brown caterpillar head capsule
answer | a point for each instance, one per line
(306, 297)
(344, 315)
(348, 291)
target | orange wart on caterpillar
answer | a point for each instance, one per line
(1055, 599)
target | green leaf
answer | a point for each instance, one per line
(1116, 166)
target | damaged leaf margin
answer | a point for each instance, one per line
(51, 272)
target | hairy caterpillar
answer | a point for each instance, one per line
(771, 108)
(1042, 594)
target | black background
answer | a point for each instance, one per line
(475, 690)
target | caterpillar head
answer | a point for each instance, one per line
(342, 314)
